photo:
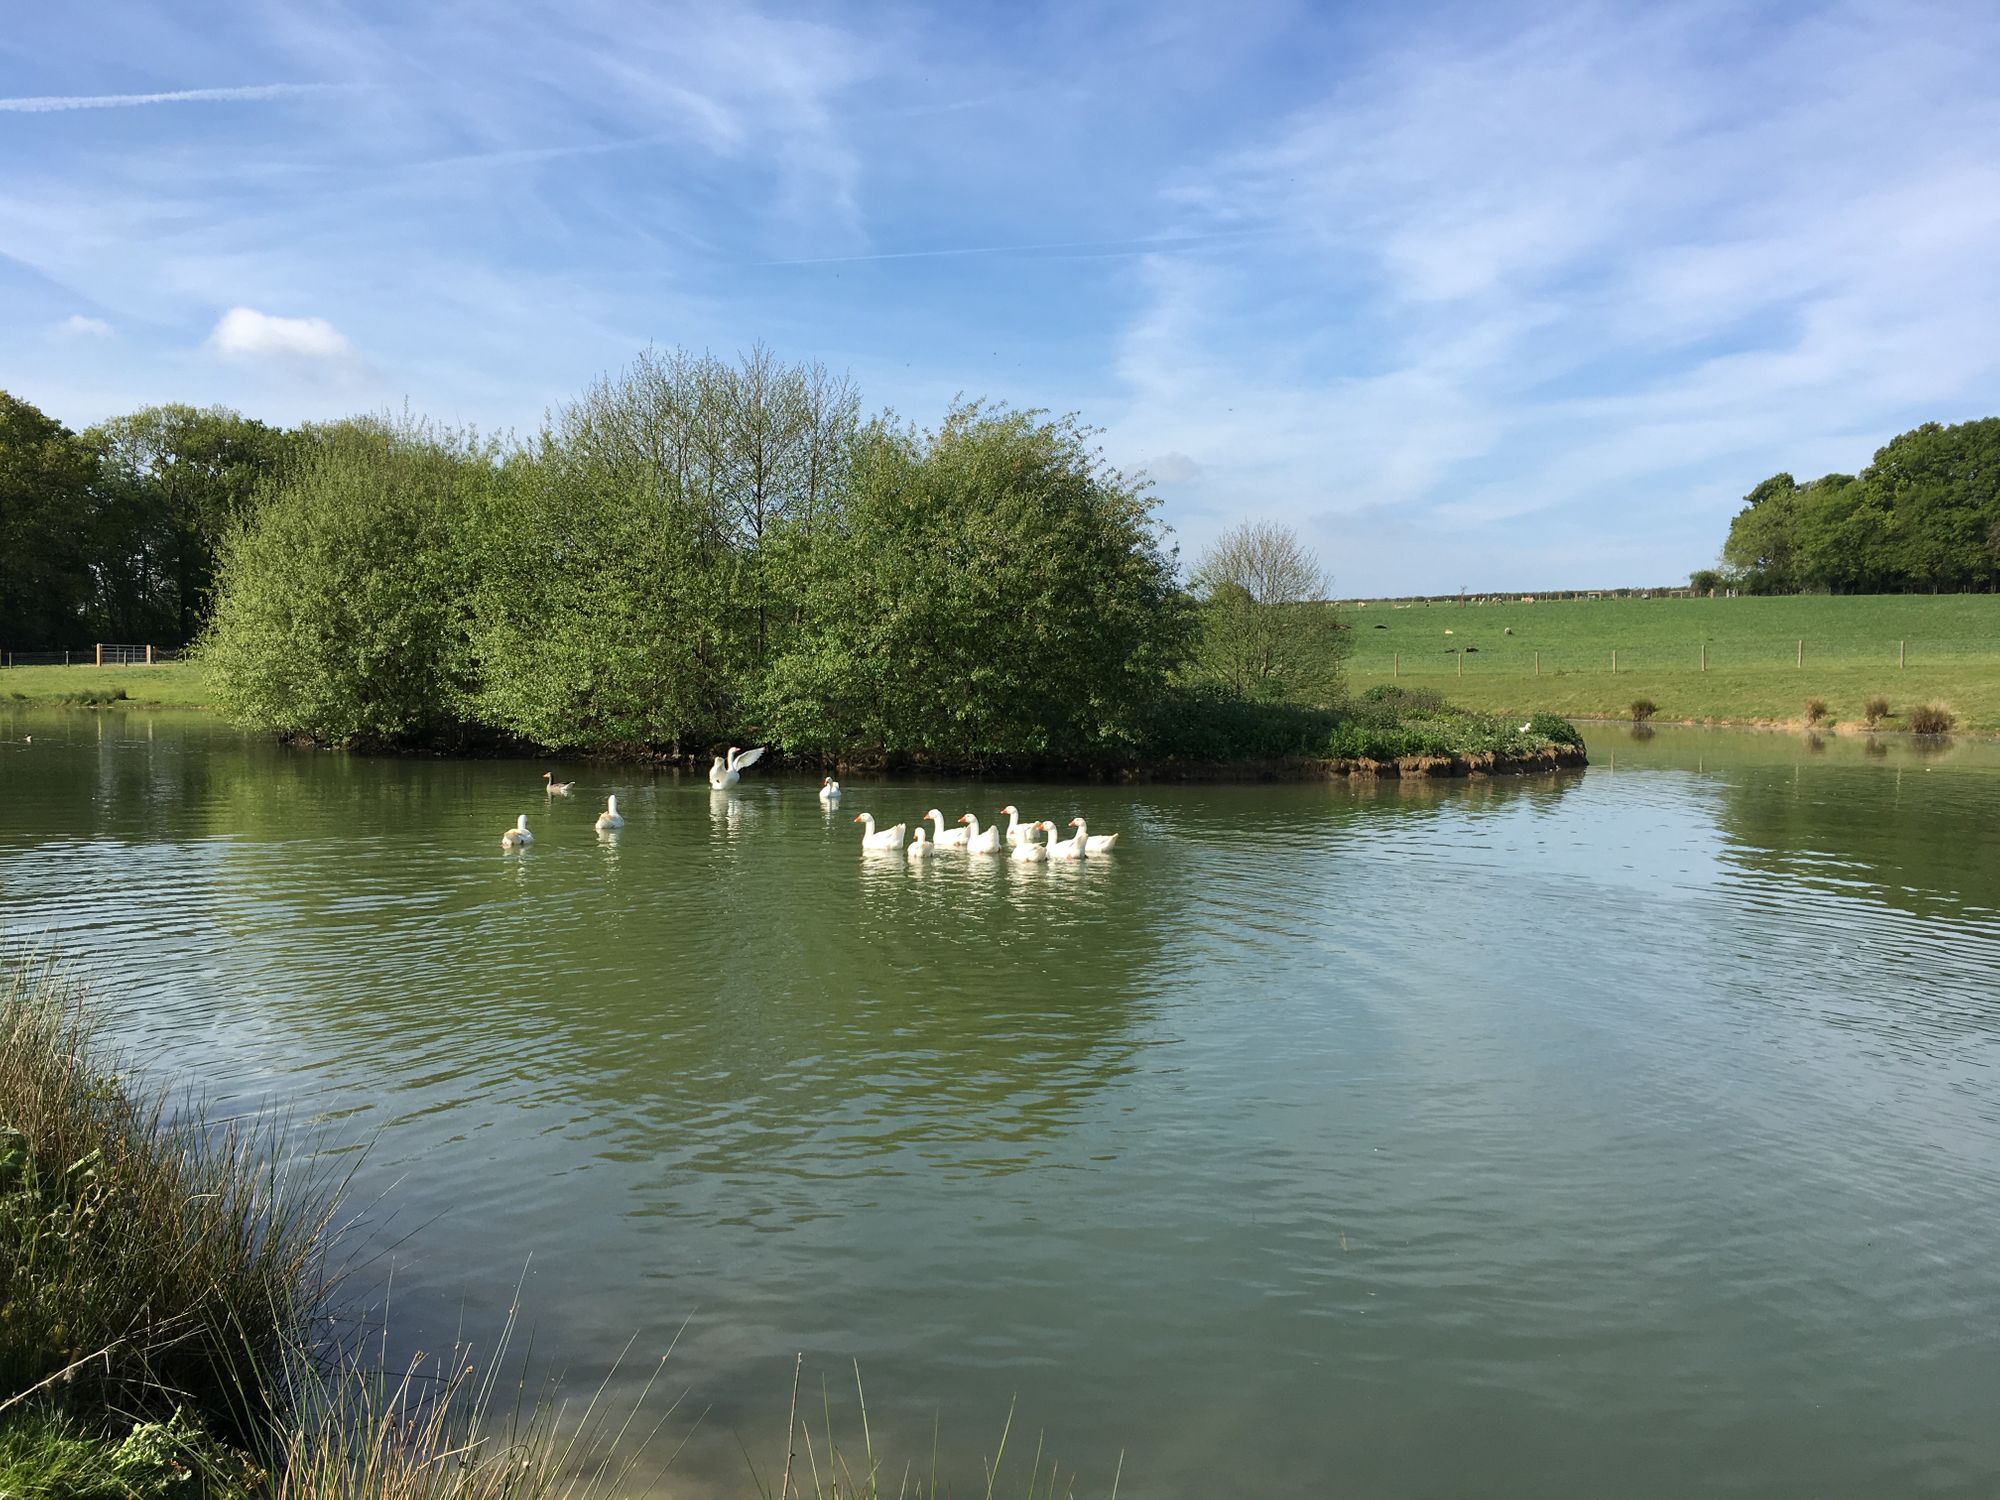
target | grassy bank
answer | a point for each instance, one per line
(1757, 670)
(169, 1328)
(175, 684)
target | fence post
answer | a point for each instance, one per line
(1396, 668)
(1614, 661)
(1461, 663)
(1802, 655)
(1704, 656)
(1538, 663)
(100, 653)
(149, 655)
(1900, 662)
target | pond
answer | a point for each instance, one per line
(1634, 1131)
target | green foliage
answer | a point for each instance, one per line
(145, 1261)
(48, 529)
(991, 589)
(1931, 718)
(1924, 515)
(341, 607)
(179, 479)
(1204, 722)
(1267, 633)
(1555, 729)
(1643, 709)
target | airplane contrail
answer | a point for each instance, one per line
(48, 104)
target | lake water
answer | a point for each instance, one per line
(1627, 1132)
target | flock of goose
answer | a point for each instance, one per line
(968, 837)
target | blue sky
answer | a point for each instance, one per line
(1481, 295)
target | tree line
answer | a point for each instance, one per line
(1924, 516)
(696, 550)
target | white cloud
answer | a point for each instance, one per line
(76, 325)
(245, 333)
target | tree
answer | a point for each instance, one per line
(340, 603)
(48, 530)
(991, 589)
(180, 477)
(1267, 632)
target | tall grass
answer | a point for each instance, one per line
(150, 1259)
(164, 1290)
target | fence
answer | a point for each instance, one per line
(102, 654)
(1798, 654)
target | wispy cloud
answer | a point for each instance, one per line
(54, 103)
(76, 325)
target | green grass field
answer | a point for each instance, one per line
(1951, 645)
(176, 684)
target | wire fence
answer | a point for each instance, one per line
(103, 654)
(1802, 654)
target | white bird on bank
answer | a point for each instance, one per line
(518, 836)
(728, 770)
(948, 838)
(609, 819)
(1028, 852)
(829, 792)
(888, 838)
(1101, 844)
(980, 840)
(920, 846)
(553, 787)
(1524, 729)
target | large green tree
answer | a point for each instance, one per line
(49, 531)
(341, 603)
(991, 589)
(179, 478)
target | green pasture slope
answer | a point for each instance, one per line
(1950, 644)
(177, 684)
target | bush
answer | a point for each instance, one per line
(1816, 710)
(1643, 709)
(1388, 695)
(1204, 722)
(1555, 729)
(1875, 710)
(1931, 718)
(339, 609)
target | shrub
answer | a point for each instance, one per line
(1204, 722)
(1931, 718)
(1815, 710)
(1643, 709)
(1875, 710)
(1555, 729)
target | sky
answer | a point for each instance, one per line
(1485, 296)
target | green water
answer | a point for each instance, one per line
(1633, 1132)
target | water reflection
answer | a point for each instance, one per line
(1363, 1127)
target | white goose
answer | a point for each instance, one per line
(518, 836)
(609, 819)
(728, 769)
(921, 847)
(948, 838)
(980, 840)
(1101, 844)
(888, 838)
(829, 792)
(1028, 852)
(1069, 848)
(1017, 831)
(553, 787)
